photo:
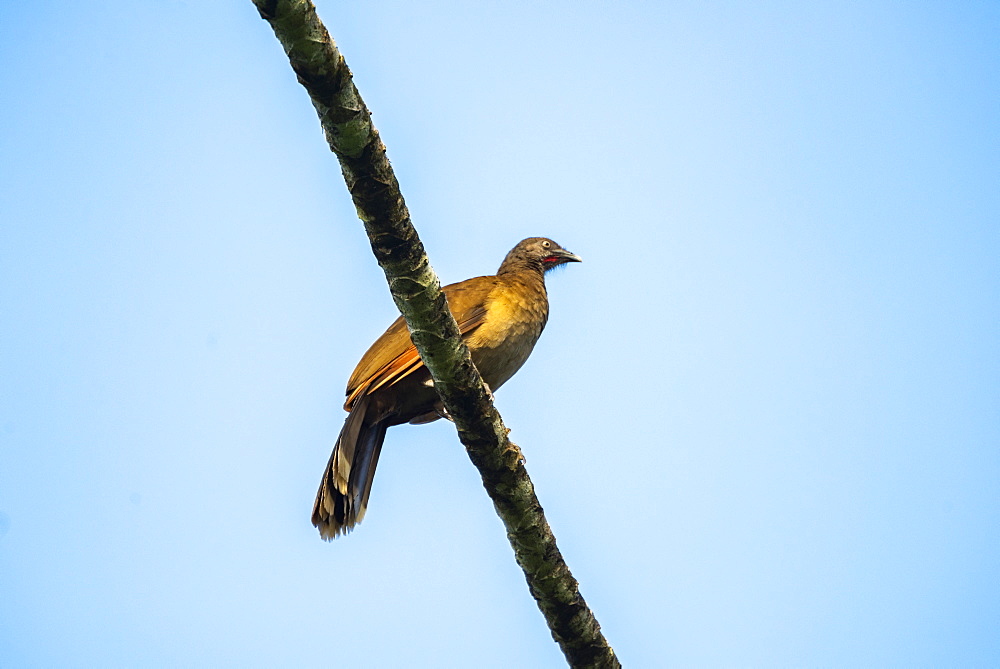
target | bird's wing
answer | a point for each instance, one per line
(393, 356)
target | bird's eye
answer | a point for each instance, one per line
(546, 245)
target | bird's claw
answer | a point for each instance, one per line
(516, 450)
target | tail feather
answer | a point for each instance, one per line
(343, 492)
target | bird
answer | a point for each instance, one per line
(500, 317)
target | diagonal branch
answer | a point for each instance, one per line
(415, 288)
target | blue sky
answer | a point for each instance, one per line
(763, 420)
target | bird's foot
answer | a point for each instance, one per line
(441, 411)
(516, 450)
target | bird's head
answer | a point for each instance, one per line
(537, 252)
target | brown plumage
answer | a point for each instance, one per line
(500, 318)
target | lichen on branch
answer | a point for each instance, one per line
(416, 290)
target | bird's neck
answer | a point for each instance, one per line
(524, 279)
(518, 265)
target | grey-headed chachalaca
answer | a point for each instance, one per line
(500, 318)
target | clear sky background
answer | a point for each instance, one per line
(764, 419)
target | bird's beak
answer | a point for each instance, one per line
(568, 257)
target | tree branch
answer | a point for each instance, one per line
(415, 288)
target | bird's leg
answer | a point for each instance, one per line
(443, 413)
(439, 407)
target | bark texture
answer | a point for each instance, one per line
(416, 290)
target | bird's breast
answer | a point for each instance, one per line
(516, 312)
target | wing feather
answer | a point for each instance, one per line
(393, 356)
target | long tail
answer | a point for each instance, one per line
(343, 493)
